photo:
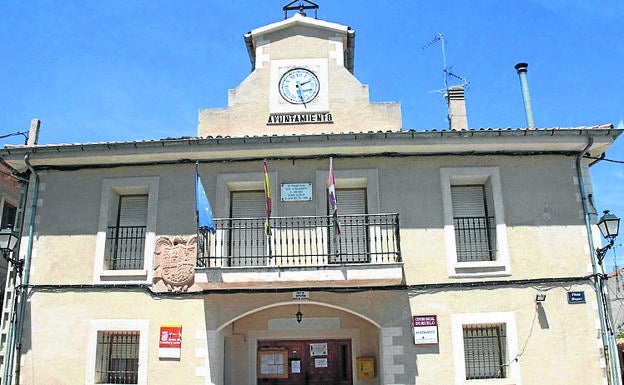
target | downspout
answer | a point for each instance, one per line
(608, 342)
(23, 293)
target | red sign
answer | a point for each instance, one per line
(170, 336)
(170, 342)
(425, 320)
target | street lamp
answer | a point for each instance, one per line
(609, 226)
(8, 241)
(299, 314)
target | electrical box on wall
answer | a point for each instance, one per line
(365, 368)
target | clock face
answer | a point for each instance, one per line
(299, 86)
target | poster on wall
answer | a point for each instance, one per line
(320, 362)
(425, 329)
(170, 343)
(318, 349)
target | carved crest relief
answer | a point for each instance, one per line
(175, 263)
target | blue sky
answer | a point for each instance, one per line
(120, 70)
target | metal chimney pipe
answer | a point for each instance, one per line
(522, 72)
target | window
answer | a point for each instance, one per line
(117, 357)
(8, 215)
(474, 223)
(117, 352)
(352, 244)
(484, 345)
(248, 246)
(125, 240)
(474, 230)
(126, 230)
(485, 351)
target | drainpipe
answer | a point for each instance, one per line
(608, 340)
(524, 84)
(23, 292)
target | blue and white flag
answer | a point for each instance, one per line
(205, 221)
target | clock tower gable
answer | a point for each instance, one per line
(301, 82)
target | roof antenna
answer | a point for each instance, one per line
(301, 8)
(446, 70)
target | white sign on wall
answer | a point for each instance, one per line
(291, 192)
(425, 329)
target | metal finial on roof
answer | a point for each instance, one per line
(301, 7)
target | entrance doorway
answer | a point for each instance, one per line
(304, 362)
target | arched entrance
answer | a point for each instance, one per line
(268, 346)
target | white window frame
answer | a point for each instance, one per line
(112, 188)
(113, 325)
(458, 321)
(454, 176)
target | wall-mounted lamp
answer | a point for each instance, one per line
(8, 241)
(609, 226)
(540, 297)
(299, 314)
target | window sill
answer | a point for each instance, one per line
(492, 381)
(123, 274)
(479, 269)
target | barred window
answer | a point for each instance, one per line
(485, 351)
(117, 357)
(125, 246)
(474, 229)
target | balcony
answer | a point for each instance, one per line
(301, 252)
(125, 248)
(475, 239)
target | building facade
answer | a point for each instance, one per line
(427, 274)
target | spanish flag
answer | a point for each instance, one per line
(267, 196)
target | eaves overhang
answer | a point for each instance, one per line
(357, 144)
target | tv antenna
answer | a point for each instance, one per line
(445, 69)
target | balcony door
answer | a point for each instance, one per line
(248, 241)
(474, 231)
(126, 239)
(351, 246)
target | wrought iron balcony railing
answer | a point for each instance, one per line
(125, 247)
(475, 239)
(301, 241)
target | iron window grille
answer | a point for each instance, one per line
(117, 357)
(485, 351)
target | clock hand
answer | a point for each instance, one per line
(300, 93)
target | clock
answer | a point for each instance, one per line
(299, 86)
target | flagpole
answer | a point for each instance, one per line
(333, 203)
(269, 204)
(196, 210)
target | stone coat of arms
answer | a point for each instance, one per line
(175, 264)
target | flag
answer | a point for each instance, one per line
(267, 196)
(205, 221)
(333, 204)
